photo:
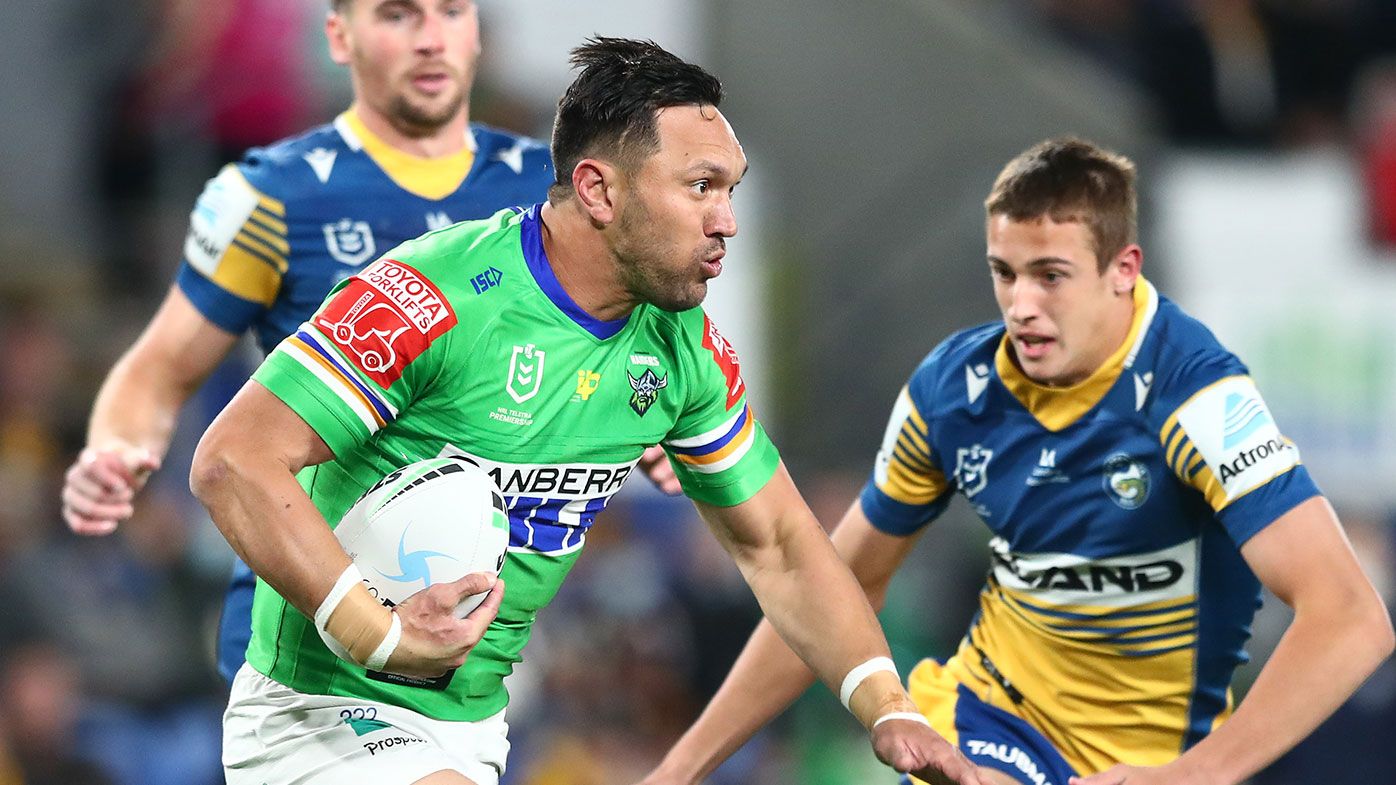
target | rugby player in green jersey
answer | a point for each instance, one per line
(550, 346)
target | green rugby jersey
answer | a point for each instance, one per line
(463, 342)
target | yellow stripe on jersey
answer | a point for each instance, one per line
(1058, 407)
(429, 178)
(1097, 704)
(275, 243)
(274, 206)
(249, 274)
(269, 222)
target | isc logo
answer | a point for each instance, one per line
(486, 280)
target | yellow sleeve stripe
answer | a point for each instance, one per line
(276, 241)
(1192, 466)
(910, 460)
(273, 206)
(918, 442)
(1172, 444)
(1204, 480)
(260, 250)
(910, 487)
(914, 417)
(269, 222)
(914, 448)
(247, 275)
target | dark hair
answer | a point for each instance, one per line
(609, 109)
(1070, 179)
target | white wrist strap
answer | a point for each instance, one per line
(348, 579)
(902, 715)
(379, 658)
(856, 677)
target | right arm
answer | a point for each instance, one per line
(136, 410)
(769, 676)
(244, 472)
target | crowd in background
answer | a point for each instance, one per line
(106, 654)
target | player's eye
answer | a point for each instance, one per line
(701, 187)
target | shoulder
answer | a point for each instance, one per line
(287, 168)
(446, 255)
(962, 361)
(512, 155)
(1184, 356)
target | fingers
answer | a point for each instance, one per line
(657, 467)
(1114, 776)
(489, 608)
(469, 585)
(97, 493)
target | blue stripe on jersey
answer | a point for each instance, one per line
(721, 441)
(542, 269)
(1121, 614)
(314, 343)
(533, 523)
(226, 310)
(1229, 594)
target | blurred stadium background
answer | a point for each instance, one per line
(1265, 131)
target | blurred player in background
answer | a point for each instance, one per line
(1140, 494)
(587, 345)
(273, 233)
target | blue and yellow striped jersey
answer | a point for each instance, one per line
(1117, 603)
(271, 234)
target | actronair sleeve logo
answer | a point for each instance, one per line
(384, 318)
(1239, 442)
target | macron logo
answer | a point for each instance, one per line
(1243, 416)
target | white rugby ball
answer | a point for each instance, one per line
(432, 521)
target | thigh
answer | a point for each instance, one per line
(275, 734)
(1004, 746)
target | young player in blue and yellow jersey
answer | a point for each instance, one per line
(592, 347)
(273, 233)
(1140, 494)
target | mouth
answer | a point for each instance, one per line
(1031, 346)
(712, 265)
(431, 82)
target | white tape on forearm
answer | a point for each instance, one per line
(859, 674)
(379, 658)
(348, 579)
(902, 715)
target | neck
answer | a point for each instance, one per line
(448, 139)
(583, 262)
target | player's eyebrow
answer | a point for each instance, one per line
(703, 165)
(1042, 261)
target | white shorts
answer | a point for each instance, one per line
(274, 735)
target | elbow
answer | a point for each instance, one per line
(212, 467)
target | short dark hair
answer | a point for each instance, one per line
(1071, 179)
(609, 109)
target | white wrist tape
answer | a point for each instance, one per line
(902, 715)
(348, 579)
(859, 674)
(379, 658)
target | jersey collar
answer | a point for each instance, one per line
(531, 228)
(429, 178)
(1058, 407)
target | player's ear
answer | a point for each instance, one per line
(1123, 270)
(595, 184)
(337, 34)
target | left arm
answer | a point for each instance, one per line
(1341, 632)
(820, 610)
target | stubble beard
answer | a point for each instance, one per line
(418, 121)
(640, 258)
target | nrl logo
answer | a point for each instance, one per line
(646, 389)
(972, 469)
(349, 242)
(525, 372)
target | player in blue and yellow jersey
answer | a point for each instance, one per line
(1140, 494)
(271, 234)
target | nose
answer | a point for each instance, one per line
(431, 34)
(1023, 302)
(722, 221)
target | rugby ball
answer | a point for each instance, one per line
(432, 521)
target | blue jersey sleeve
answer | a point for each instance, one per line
(1220, 438)
(908, 488)
(235, 254)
